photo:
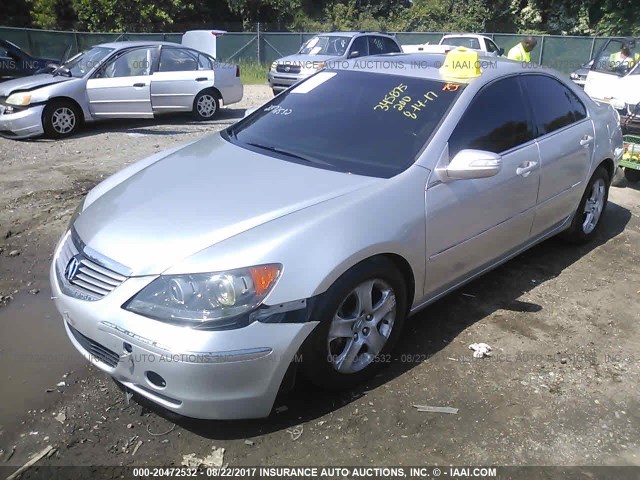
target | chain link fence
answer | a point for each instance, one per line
(563, 53)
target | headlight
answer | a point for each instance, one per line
(20, 99)
(274, 65)
(211, 300)
(574, 76)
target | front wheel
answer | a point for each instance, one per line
(588, 216)
(60, 119)
(206, 105)
(361, 317)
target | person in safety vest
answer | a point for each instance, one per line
(624, 60)
(521, 52)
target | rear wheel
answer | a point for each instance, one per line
(361, 317)
(588, 216)
(632, 175)
(60, 119)
(206, 105)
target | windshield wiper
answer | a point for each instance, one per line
(283, 151)
(62, 70)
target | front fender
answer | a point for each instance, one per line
(319, 243)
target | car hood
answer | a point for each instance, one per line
(198, 196)
(306, 59)
(32, 82)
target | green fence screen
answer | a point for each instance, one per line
(564, 53)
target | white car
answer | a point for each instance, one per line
(613, 81)
(482, 44)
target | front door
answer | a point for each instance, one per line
(122, 88)
(473, 223)
(611, 65)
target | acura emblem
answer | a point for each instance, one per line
(71, 268)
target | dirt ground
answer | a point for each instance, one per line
(562, 386)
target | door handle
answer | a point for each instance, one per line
(586, 140)
(201, 79)
(526, 168)
(139, 84)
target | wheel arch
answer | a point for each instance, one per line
(62, 98)
(608, 164)
(402, 265)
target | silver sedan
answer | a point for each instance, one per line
(303, 236)
(117, 80)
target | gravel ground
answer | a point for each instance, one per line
(562, 387)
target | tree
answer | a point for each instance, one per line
(128, 15)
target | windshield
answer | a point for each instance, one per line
(80, 64)
(618, 56)
(357, 122)
(325, 45)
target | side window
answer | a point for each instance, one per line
(359, 47)
(554, 105)
(177, 60)
(390, 46)
(130, 64)
(376, 46)
(205, 62)
(491, 122)
(491, 47)
(618, 57)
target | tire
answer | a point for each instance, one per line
(618, 179)
(588, 217)
(206, 105)
(632, 175)
(343, 350)
(61, 119)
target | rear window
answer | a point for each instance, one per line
(358, 122)
(467, 42)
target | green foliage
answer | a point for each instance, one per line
(572, 17)
(127, 15)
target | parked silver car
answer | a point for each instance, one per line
(117, 80)
(327, 49)
(302, 236)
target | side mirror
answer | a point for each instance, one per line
(469, 164)
(354, 54)
(501, 51)
(249, 111)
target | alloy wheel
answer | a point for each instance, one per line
(63, 120)
(593, 206)
(361, 326)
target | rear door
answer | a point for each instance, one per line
(122, 87)
(473, 223)
(565, 137)
(182, 74)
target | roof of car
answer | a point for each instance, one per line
(137, 43)
(354, 33)
(426, 65)
(470, 35)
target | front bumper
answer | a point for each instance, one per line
(281, 81)
(228, 374)
(22, 124)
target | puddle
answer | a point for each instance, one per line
(34, 355)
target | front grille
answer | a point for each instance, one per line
(287, 68)
(93, 278)
(103, 354)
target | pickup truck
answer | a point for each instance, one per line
(480, 43)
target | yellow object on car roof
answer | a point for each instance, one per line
(461, 63)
